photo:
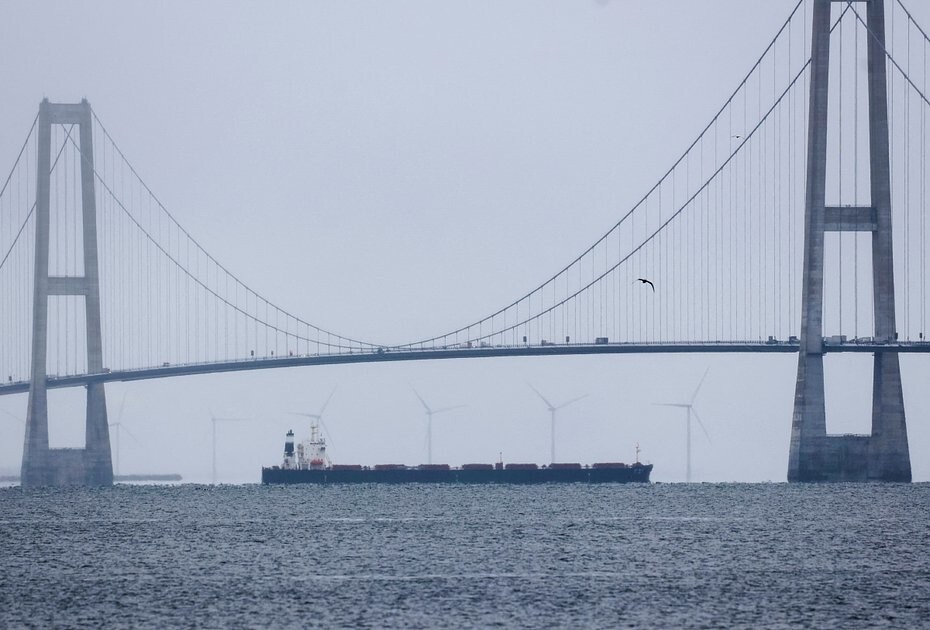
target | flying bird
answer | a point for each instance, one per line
(649, 282)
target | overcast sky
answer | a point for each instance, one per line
(392, 170)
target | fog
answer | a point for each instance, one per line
(394, 170)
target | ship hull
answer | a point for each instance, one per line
(631, 474)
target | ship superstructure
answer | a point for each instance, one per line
(309, 454)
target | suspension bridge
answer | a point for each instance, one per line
(773, 231)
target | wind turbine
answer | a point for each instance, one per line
(214, 420)
(119, 428)
(319, 415)
(689, 410)
(552, 409)
(429, 424)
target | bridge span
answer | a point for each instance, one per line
(389, 354)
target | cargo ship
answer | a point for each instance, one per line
(309, 463)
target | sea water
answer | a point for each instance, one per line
(424, 556)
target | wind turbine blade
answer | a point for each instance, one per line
(122, 427)
(122, 405)
(701, 382)
(685, 405)
(548, 404)
(701, 424)
(326, 431)
(329, 398)
(448, 409)
(573, 400)
(305, 415)
(17, 418)
(422, 402)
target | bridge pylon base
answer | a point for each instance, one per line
(61, 467)
(848, 458)
(88, 466)
(816, 456)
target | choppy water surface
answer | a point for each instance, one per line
(428, 556)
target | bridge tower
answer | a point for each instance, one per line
(814, 455)
(91, 465)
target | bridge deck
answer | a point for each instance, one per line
(426, 354)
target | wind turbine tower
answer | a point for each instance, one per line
(119, 429)
(429, 424)
(552, 409)
(689, 412)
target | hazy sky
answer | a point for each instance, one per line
(392, 170)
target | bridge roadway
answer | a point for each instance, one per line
(387, 353)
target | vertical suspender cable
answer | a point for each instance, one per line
(654, 311)
(730, 240)
(685, 286)
(923, 202)
(705, 253)
(805, 96)
(761, 217)
(673, 280)
(856, 181)
(746, 214)
(716, 217)
(839, 182)
(907, 189)
(891, 125)
(776, 198)
(840, 172)
(790, 182)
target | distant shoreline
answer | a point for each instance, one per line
(116, 478)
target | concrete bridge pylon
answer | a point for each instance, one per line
(883, 454)
(42, 465)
